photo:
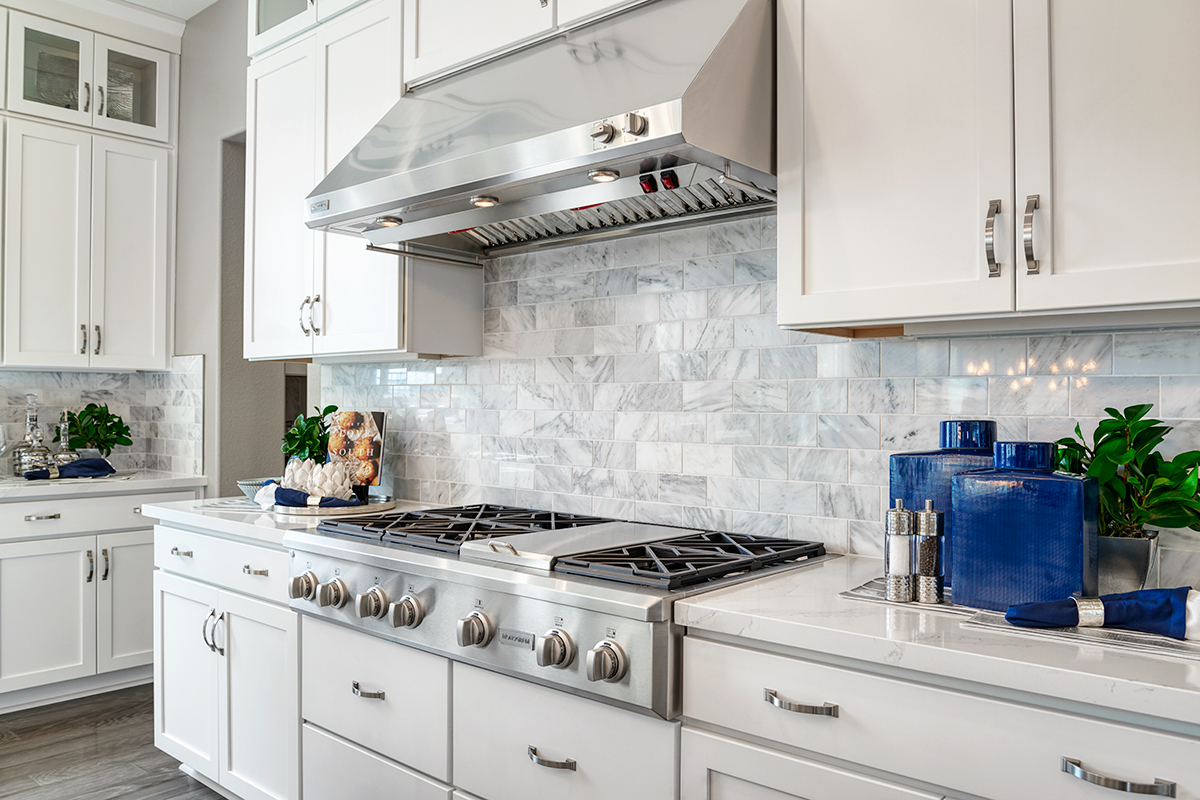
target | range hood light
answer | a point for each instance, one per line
(388, 222)
(484, 201)
(604, 175)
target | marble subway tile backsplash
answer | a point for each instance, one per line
(646, 379)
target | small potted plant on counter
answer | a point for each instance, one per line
(1140, 491)
(307, 448)
(97, 429)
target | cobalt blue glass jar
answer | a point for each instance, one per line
(917, 477)
(1023, 532)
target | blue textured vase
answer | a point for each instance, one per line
(1023, 532)
(917, 477)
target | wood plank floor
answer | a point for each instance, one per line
(94, 748)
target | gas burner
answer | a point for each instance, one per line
(687, 560)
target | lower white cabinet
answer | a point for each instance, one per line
(226, 698)
(336, 768)
(719, 768)
(96, 618)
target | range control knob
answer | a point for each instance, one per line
(406, 613)
(303, 586)
(607, 662)
(555, 649)
(333, 594)
(371, 603)
(475, 630)
(604, 132)
(635, 124)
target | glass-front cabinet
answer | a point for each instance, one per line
(274, 21)
(67, 74)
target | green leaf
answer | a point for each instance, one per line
(1134, 413)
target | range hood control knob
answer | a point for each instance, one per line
(406, 613)
(333, 594)
(607, 662)
(635, 124)
(475, 630)
(555, 649)
(372, 603)
(303, 587)
(604, 132)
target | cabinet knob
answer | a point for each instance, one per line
(474, 630)
(607, 662)
(554, 649)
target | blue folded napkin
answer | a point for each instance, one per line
(1161, 611)
(297, 499)
(83, 468)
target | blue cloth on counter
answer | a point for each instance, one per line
(83, 468)
(1160, 611)
(297, 499)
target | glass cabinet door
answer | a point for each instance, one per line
(50, 69)
(273, 21)
(132, 82)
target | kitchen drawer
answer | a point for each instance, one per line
(335, 768)
(238, 566)
(59, 517)
(415, 686)
(964, 742)
(617, 753)
(719, 768)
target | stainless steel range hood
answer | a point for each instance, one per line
(657, 116)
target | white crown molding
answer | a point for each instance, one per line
(112, 18)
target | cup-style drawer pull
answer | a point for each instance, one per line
(826, 710)
(543, 762)
(1160, 788)
(175, 551)
(246, 569)
(36, 517)
(368, 695)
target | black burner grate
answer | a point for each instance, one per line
(687, 560)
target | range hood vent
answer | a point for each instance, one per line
(650, 119)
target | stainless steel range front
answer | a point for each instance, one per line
(582, 604)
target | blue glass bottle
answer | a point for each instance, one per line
(917, 477)
(1023, 532)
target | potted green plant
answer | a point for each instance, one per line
(308, 438)
(97, 428)
(1140, 491)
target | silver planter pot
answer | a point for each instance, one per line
(1127, 565)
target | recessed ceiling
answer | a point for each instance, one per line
(184, 9)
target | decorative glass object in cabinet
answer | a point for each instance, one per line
(51, 70)
(276, 12)
(131, 90)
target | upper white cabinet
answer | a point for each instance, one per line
(1108, 140)
(439, 34)
(903, 129)
(275, 21)
(60, 72)
(85, 243)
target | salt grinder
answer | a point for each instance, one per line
(897, 553)
(929, 540)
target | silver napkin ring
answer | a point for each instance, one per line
(1091, 612)
(53, 470)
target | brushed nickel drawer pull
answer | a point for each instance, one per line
(542, 762)
(91, 567)
(83, 347)
(104, 552)
(825, 710)
(368, 695)
(246, 569)
(36, 517)
(989, 239)
(1160, 788)
(1032, 203)
(212, 614)
(175, 551)
(220, 619)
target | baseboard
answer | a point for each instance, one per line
(71, 690)
(209, 782)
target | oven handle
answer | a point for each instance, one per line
(511, 549)
(542, 762)
(825, 710)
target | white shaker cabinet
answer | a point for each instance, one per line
(275, 21)
(439, 34)
(1107, 102)
(124, 600)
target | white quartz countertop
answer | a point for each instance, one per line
(236, 516)
(802, 610)
(19, 489)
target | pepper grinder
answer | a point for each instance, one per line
(929, 561)
(897, 553)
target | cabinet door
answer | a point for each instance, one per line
(280, 156)
(50, 69)
(275, 21)
(47, 611)
(335, 767)
(125, 600)
(895, 136)
(360, 305)
(718, 768)
(443, 33)
(132, 89)
(129, 255)
(47, 244)
(259, 706)
(186, 672)
(1108, 139)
